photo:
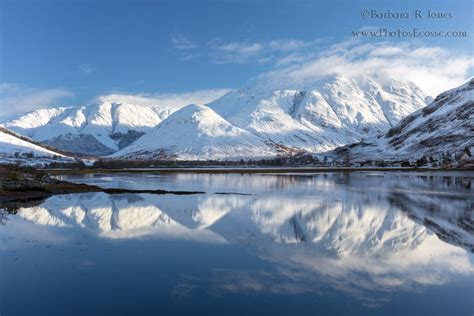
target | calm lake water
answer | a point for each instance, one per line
(361, 243)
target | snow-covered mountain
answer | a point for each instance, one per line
(260, 121)
(196, 132)
(445, 125)
(17, 149)
(263, 119)
(97, 129)
(320, 115)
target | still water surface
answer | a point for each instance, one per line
(361, 243)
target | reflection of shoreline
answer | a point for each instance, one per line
(20, 185)
(283, 193)
(253, 170)
(452, 222)
(334, 229)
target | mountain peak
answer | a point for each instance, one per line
(95, 129)
(196, 132)
(445, 125)
(322, 114)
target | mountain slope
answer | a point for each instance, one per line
(263, 119)
(16, 149)
(97, 129)
(446, 125)
(321, 115)
(196, 132)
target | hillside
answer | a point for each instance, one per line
(320, 115)
(17, 149)
(196, 132)
(97, 129)
(446, 126)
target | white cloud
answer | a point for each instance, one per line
(233, 52)
(290, 44)
(386, 51)
(434, 69)
(219, 51)
(16, 99)
(180, 42)
(174, 100)
(291, 59)
(241, 48)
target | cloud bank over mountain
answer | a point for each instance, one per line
(176, 100)
(433, 68)
(16, 99)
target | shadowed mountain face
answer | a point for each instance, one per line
(17, 149)
(365, 234)
(98, 129)
(445, 125)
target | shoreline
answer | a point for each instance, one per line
(20, 185)
(48, 186)
(249, 170)
(71, 188)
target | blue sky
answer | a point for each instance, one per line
(69, 52)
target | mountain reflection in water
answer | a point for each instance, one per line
(362, 234)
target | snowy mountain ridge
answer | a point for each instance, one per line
(318, 118)
(445, 125)
(261, 120)
(196, 132)
(96, 129)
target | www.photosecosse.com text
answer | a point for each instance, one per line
(414, 32)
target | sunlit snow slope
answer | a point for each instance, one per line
(446, 125)
(196, 132)
(14, 149)
(97, 129)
